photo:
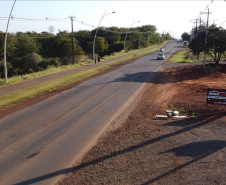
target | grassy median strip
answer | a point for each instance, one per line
(31, 92)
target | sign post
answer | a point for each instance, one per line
(216, 96)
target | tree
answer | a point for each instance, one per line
(51, 29)
(11, 45)
(185, 36)
(26, 44)
(2, 37)
(215, 46)
(9, 69)
(63, 47)
(46, 41)
(197, 45)
(111, 34)
(83, 38)
(115, 47)
(101, 46)
(30, 62)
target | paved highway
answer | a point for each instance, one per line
(38, 143)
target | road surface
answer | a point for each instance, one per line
(39, 143)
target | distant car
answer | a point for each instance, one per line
(161, 49)
(160, 57)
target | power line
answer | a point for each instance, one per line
(222, 23)
(66, 19)
(206, 8)
(12, 18)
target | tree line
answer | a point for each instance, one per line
(31, 52)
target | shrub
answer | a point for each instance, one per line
(55, 62)
(115, 47)
(211, 69)
(2, 69)
(31, 62)
(189, 55)
(45, 63)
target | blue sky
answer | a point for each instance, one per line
(168, 16)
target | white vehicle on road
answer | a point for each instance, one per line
(160, 57)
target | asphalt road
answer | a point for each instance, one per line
(39, 143)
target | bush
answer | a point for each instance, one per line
(31, 62)
(2, 69)
(211, 69)
(189, 55)
(45, 63)
(55, 62)
(65, 61)
(115, 47)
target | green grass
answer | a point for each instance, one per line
(31, 92)
(188, 57)
(172, 107)
(50, 70)
(183, 57)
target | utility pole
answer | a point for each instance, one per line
(5, 64)
(196, 28)
(206, 36)
(72, 38)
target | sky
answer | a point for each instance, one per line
(174, 17)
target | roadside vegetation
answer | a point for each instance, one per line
(34, 52)
(212, 44)
(187, 57)
(183, 57)
(215, 45)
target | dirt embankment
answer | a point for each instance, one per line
(173, 151)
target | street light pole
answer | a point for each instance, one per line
(5, 65)
(126, 35)
(97, 30)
